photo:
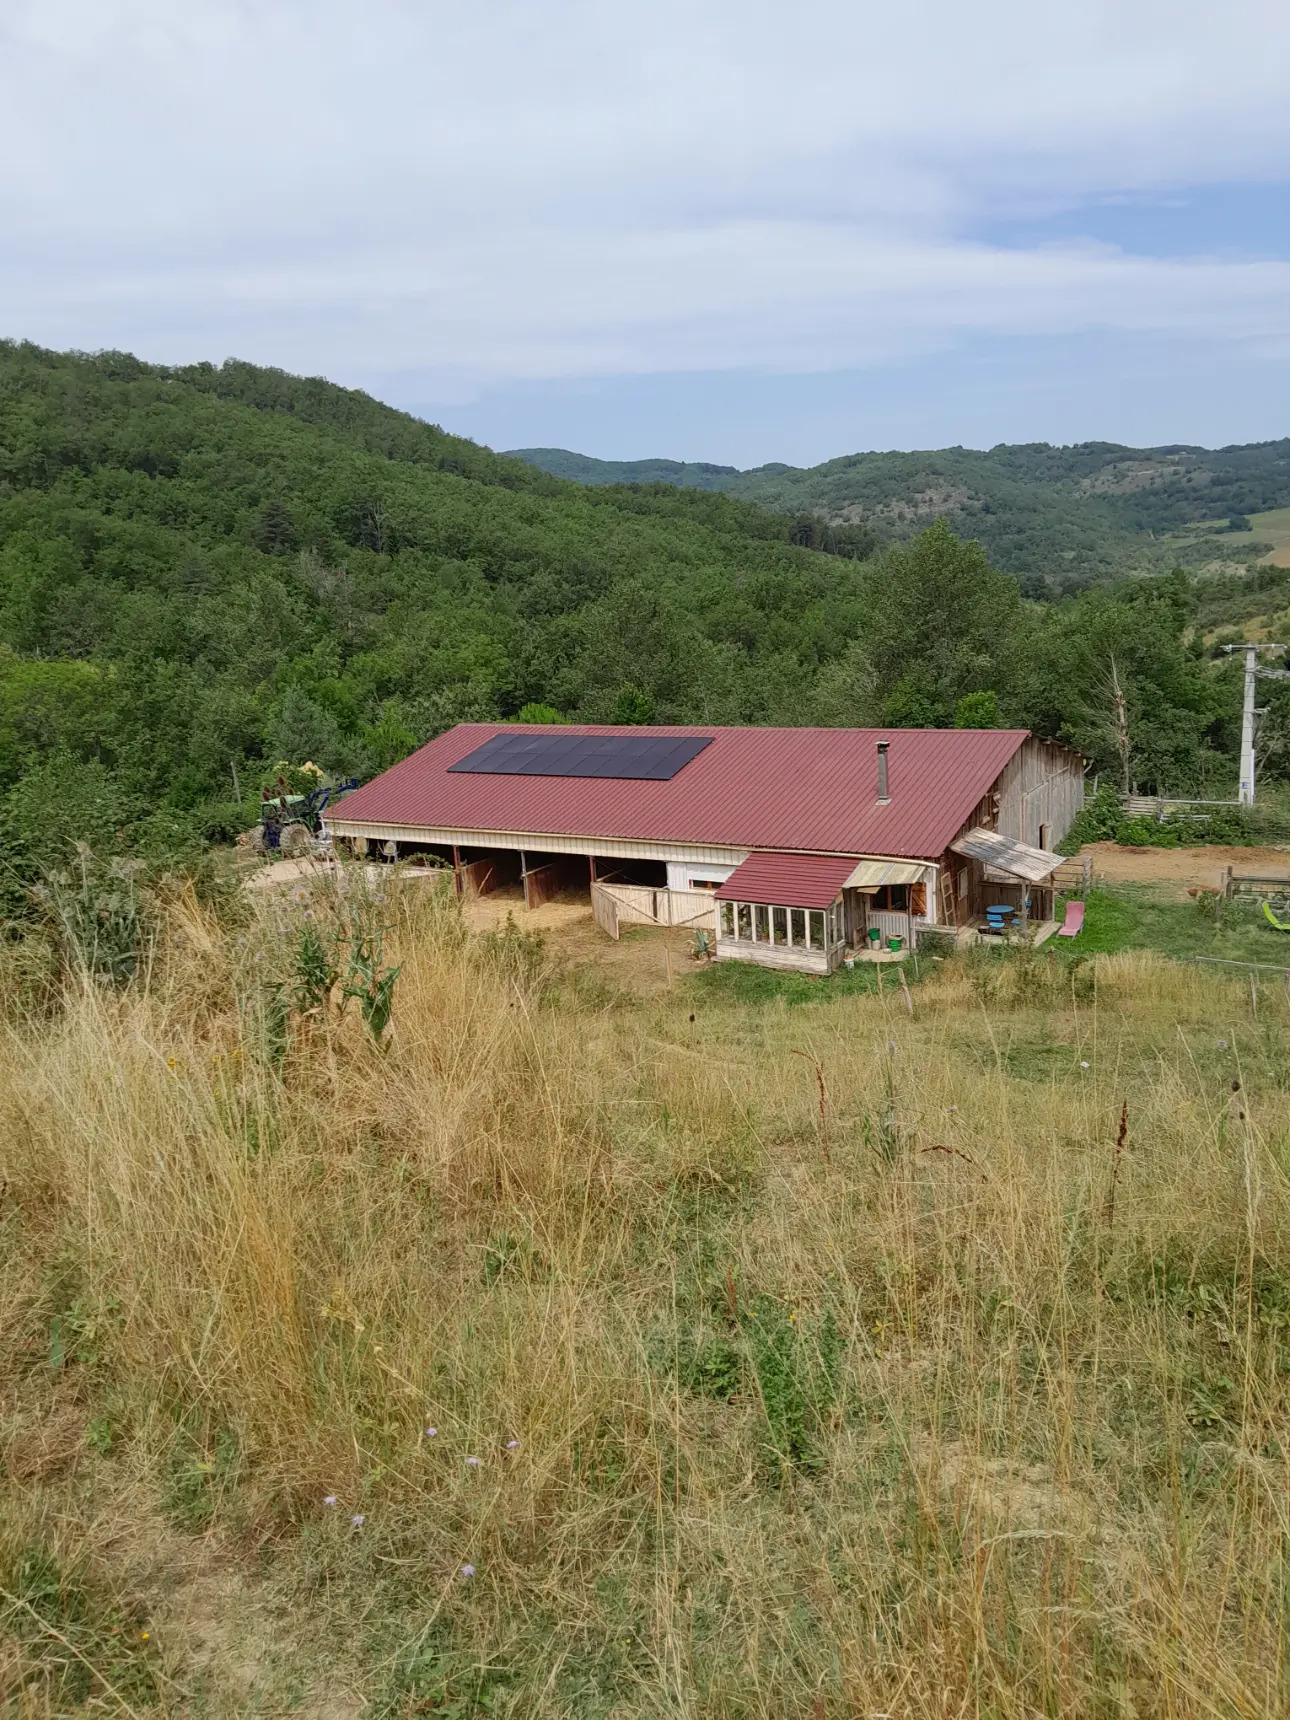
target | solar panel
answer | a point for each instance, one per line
(635, 758)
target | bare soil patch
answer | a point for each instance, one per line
(1179, 869)
(638, 961)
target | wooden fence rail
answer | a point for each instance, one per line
(1161, 806)
(1074, 877)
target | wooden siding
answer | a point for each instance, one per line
(892, 925)
(479, 878)
(1041, 789)
(541, 884)
(680, 872)
(791, 959)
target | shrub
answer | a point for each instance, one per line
(1102, 819)
(1098, 820)
(98, 914)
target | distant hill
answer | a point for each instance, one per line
(1060, 515)
(583, 469)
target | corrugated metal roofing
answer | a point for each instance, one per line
(800, 789)
(873, 874)
(1017, 859)
(788, 880)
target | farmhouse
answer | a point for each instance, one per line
(792, 847)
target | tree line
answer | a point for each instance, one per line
(207, 572)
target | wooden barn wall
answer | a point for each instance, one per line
(1041, 785)
(480, 877)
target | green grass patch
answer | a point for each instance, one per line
(78, 1648)
(1136, 917)
(1040, 1060)
(749, 983)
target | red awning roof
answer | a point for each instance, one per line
(788, 880)
(793, 789)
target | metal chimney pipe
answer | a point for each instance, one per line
(883, 796)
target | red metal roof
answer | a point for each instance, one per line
(791, 880)
(796, 789)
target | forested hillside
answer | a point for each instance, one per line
(206, 572)
(585, 469)
(1056, 517)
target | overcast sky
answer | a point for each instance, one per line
(725, 229)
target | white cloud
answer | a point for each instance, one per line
(544, 188)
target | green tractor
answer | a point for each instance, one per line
(289, 823)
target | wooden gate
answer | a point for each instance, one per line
(618, 905)
(604, 909)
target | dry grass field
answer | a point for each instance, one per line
(577, 1352)
(1274, 528)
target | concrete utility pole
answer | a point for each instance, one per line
(1249, 711)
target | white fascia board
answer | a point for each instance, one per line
(545, 842)
(542, 842)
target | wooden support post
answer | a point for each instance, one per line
(456, 869)
(591, 864)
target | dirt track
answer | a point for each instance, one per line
(1181, 869)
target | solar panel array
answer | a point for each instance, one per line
(630, 758)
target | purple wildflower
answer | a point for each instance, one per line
(467, 1571)
(331, 1499)
(432, 1433)
(473, 1462)
(358, 1520)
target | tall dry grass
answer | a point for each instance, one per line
(929, 1399)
